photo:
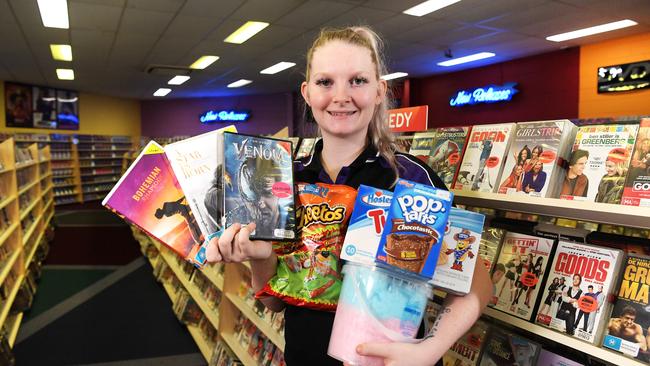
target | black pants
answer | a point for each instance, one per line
(580, 314)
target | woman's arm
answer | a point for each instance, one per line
(456, 317)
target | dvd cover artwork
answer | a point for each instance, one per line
(404, 143)
(467, 350)
(484, 157)
(525, 259)
(534, 161)
(637, 184)
(503, 348)
(421, 145)
(490, 245)
(306, 147)
(447, 152)
(258, 185)
(627, 329)
(548, 358)
(149, 196)
(598, 163)
(574, 298)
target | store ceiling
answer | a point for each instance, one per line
(113, 41)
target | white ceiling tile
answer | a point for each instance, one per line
(26, 13)
(265, 10)
(170, 6)
(313, 13)
(392, 5)
(6, 15)
(524, 16)
(118, 3)
(428, 33)
(91, 16)
(191, 26)
(393, 27)
(361, 16)
(210, 8)
(144, 22)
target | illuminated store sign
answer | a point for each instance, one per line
(486, 94)
(224, 116)
(626, 77)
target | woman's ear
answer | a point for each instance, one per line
(305, 92)
(381, 91)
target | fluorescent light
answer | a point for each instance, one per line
(61, 52)
(245, 32)
(178, 80)
(592, 30)
(428, 7)
(65, 74)
(161, 92)
(277, 67)
(239, 83)
(394, 75)
(203, 62)
(54, 13)
(470, 58)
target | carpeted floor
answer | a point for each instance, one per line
(98, 303)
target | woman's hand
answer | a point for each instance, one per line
(399, 354)
(234, 245)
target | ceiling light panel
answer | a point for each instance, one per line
(394, 75)
(65, 74)
(161, 92)
(592, 30)
(178, 80)
(239, 83)
(428, 7)
(465, 59)
(203, 62)
(54, 13)
(61, 52)
(245, 32)
(280, 66)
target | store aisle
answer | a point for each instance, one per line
(103, 312)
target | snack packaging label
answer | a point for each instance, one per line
(366, 225)
(415, 224)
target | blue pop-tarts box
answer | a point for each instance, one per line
(366, 225)
(415, 227)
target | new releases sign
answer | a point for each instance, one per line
(625, 77)
(224, 116)
(411, 119)
(486, 94)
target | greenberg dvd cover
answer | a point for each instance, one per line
(534, 162)
(574, 297)
(525, 259)
(598, 163)
(149, 196)
(447, 152)
(195, 161)
(627, 328)
(484, 157)
(467, 350)
(258, 185)
(637, 184)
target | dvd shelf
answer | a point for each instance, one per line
(100, 163)
(223, 296)
(26, 209)
(628, 216)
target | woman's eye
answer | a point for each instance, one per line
(324, 82)
(358, 81)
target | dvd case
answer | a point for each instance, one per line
(490, 245)
(525, 259)
(306, 147)
(447, 152)
(637, 185)
(626, 330)
(484, 157)
(195, 161)
(548, 358)
(574, 300)
(149, 196)
(421, 145)
(599, 162)
(467, 350)
(535, 160)
(503, 348)
(258, 185)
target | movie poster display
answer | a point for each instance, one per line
(44, 107)
(18, 105)
(67, 105)
(30, 106)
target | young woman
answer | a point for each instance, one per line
(514, 180)
(550, 297)
(534, 158)
(348, 100)
(610, 188)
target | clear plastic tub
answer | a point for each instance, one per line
(376, 305)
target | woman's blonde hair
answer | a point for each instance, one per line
(379, 134)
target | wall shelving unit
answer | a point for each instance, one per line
(100, 163)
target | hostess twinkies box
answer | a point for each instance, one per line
(415, 225)
(459, 251)
(366, 225)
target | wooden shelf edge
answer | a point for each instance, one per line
(6, 306)
(238, 350)
(31, 229)
(32, 251)
(204, 347)
(23, 166)
(632, 216)
(6, 234)
(14, 322)
(28, 187)
(260, 323)
(29, 209)
(8, 265)
(584, 347)
(7, 201)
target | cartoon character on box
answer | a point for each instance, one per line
(464, 240)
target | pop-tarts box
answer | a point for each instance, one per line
(366, 225)
(415, 226)
(459, 251)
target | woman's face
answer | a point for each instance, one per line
(537, 167)
(524, 154)
(343, 89)
(610, 168)
(535, 153)
(519, 169)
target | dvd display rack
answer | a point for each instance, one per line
(601, 213)
(100, 163)
(223, 295)
(26, 209)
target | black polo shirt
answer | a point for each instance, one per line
(307, 332)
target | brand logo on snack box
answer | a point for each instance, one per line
(377, 199)
(420, 208)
